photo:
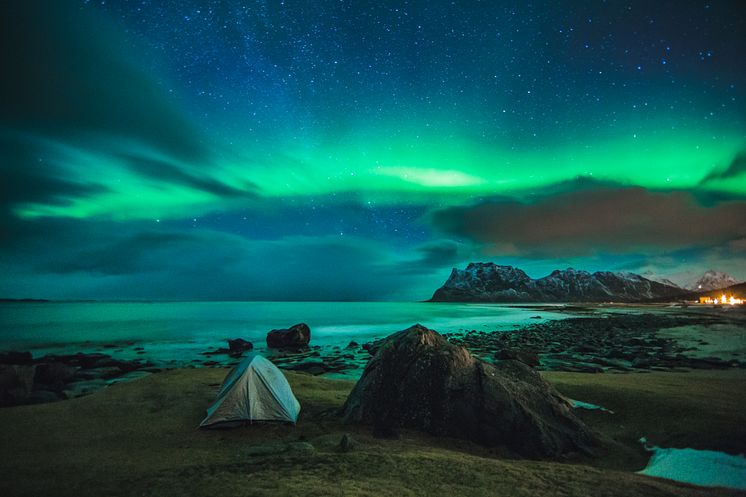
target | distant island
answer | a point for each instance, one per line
(489, 282)
(22, 300)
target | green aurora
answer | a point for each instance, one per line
(302, 124)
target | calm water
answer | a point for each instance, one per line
(180, 331)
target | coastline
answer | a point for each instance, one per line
(592, 338)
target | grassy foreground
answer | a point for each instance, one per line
(140, 438)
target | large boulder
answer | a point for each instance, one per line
(417, 379)
(295, 337)
(16, 384)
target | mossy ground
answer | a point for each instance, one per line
(140, 438)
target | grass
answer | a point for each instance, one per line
(140, 438)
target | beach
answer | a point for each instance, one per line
(141, 438)
(135, 432)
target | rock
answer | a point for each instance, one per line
(80, 388)
(419, 380)
(54, 374)
(13, 357)
(238, 346)
(372, 347)
(347, 443)
(110, 362)
(295, 337)
(310, 367)
(80, 359)
(106, 372)
(352, 345)
(526, 356)
(16, 383)
(42, 397)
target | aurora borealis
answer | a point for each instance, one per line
(359, 150)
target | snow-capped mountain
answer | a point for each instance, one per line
(660, 279)
(712, 280)
(489, 282)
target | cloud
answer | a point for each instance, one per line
(80, 117)
(23, 180)
(615, 220)
(67, 74)
(737, 167)
(90, 260)
(161, 169)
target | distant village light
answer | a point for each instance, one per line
(723, 299)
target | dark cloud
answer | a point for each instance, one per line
(89, 259)
(67, 75)
(165, 171)
(141, 253)
(72, 86)
(616, 220)
(737, 167)
(24, 179)
(439, 252)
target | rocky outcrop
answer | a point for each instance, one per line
(296, 337)
(488, 282)
(419, 380)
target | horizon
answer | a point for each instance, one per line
(310, 151)
(686, 290)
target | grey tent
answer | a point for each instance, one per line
(255, 390)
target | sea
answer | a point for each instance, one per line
(177, 333)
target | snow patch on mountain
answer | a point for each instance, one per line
(712, 280)
(659, 278)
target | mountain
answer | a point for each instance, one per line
(650, 275)
(489, 282)
(712, 280)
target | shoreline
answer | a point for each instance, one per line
(592, 338)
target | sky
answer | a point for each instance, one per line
(337, 150)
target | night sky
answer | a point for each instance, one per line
(330, 150)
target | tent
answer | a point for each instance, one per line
(255, 390)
